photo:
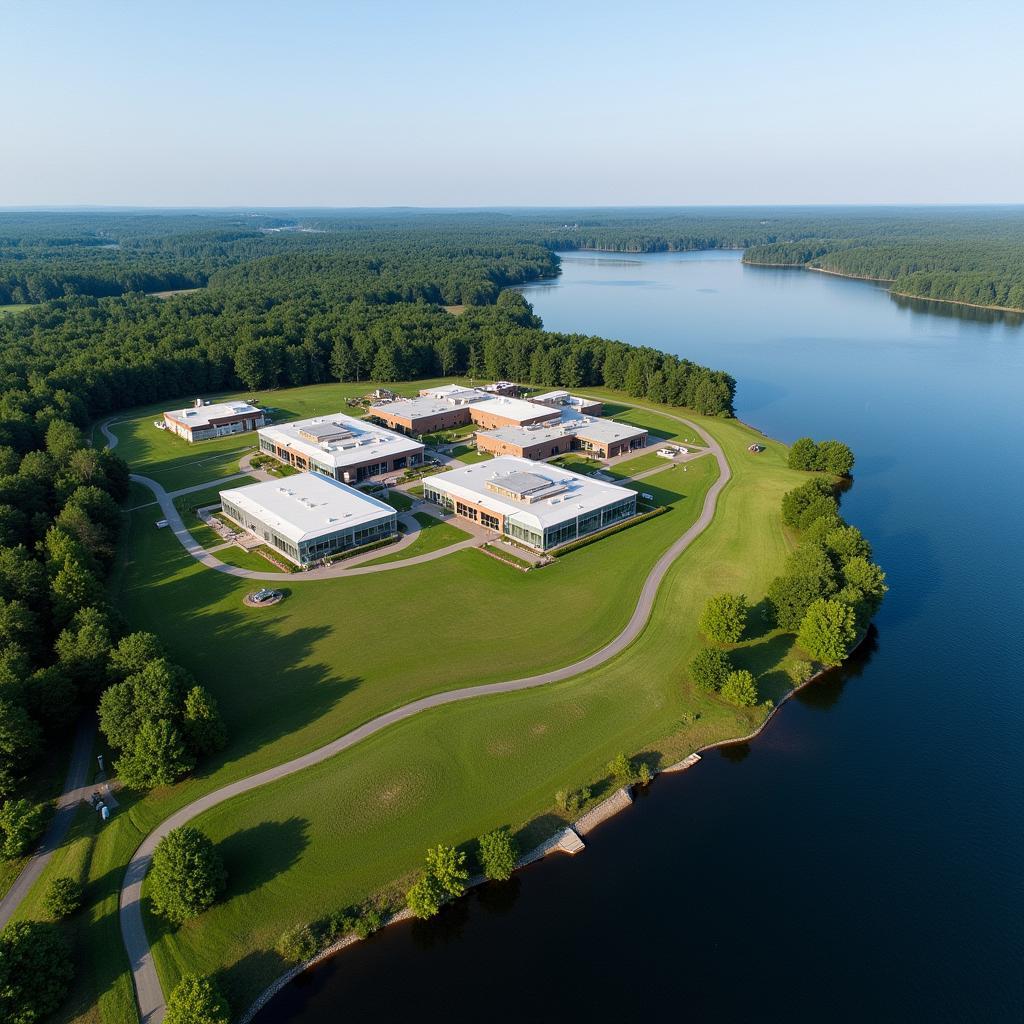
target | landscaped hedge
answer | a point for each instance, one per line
(342, 555)
(590, 538)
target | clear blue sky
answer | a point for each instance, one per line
(298, 102)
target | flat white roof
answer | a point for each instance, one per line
(307, 505)
(202, 415)
(425, 405)
(349, 441)
(513, 408)
(454, 391)
(571, 494)
(591, 427)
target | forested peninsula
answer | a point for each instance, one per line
(972, 255)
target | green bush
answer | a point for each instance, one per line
(21, 824)
(498, 854)
(444, 878)
(63, 897)
(187, 874)
(35, 971)
(800, 671)
(828, 631)
(709, 669)
(724, 618)
(196, 1001)
(298, 943)
(370, 920)
(740, 689)
(620, 769)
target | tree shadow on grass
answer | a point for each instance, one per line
(256, 855)
(764, 656)
(243, 980)
(760, 620)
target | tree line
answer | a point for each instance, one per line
(983, 271)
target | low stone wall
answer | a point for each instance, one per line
(680, 766)
(618, 801)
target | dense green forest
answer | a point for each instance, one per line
(973, 258)
(275, 307)
(970, 254)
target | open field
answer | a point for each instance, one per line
(289, 678)
(174, 463)
(349, 827)
(433, 536)
(302, 647)
(15, 307)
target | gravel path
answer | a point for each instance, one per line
(149, 993)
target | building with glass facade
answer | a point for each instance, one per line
(309, 516)
(341, 447)
(542, 506)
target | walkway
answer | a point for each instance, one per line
(148, 992)
(76, 789)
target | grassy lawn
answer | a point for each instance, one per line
(249, 560)
(187, 505)
(469, 455)
(433, 536)
(577, 463)
(174, 463)
(630, 467)
(352, 826)
(396, 499)
(170, 460)
(289, 678)
(15, 307)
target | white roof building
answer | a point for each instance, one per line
(308, 515)
(515, 409)
(592, 428)
(539, 504)
(338, 443)
(456, 392)
(203, 420)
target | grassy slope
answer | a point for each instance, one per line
(494, 761)
(351, 826)
(289, 678)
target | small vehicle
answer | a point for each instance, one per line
(161, 523)
(646, 496)
(264, 595)
(666, 453)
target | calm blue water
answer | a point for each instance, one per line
(862, 859)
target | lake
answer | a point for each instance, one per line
(860, 860)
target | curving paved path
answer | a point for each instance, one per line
(76, 789)
(348, 567)
(149, 994)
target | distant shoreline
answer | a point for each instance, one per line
(886, 280)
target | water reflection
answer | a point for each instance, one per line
(975, 314)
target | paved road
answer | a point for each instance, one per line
(148, 992)
(347, 567)
(75, 791)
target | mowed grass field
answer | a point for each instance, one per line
(433, 535)
(291, 677)
(353, 825)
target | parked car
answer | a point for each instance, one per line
(666, 453)
(161, 523)
(264, 595)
